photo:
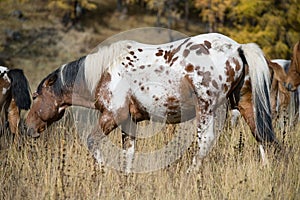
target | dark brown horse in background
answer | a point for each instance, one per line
(14, 96)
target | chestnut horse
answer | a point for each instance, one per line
(284, 103)
(293, 75)
(172, 82)
(14, 96)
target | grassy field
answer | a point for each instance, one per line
(58, 165)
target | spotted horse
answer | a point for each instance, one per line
(14, 97)
(175, 82)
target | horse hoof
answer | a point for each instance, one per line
(90, 142)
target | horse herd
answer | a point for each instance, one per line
(129, 82)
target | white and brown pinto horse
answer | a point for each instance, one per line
(130, 80)
(14, 96)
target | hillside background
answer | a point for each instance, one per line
(40, 35)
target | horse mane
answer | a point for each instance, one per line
(98, 62)
(64, 77)
(20, 88)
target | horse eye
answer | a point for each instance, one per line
(34, 95)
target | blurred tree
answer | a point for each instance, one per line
(72, 9)
(170, 9)
(273, 24)
(213, 12)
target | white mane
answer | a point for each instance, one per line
(104, 58)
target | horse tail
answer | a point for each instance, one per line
(259, 74)
(20, 88)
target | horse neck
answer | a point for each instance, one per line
(73, 85)
(79, 96)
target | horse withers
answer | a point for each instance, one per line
(14, 97)
(172, 82)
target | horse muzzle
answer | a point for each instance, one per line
(32, 133)
(290, 87)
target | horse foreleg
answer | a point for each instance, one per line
(106, 124)
(128, 143)
(13, 115)
(206, 137)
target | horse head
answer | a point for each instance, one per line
(47, 105)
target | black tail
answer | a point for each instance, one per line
(20, 88)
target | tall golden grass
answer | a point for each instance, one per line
(58, 166)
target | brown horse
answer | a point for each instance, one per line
(14, 96)
(178, 81)
(285, 104)
(280, 96)
(293, 75)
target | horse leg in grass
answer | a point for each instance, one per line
(284, 97)
(13, 116)
(128, 143)
(94, 140)
(206, 137)
(246, 110)
(107, 123)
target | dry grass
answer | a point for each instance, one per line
(59, 166)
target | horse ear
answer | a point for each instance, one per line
(50, 81)
(279, 72)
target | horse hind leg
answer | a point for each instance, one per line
(206, 139)
(245, 107)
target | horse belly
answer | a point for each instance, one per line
(163, 99)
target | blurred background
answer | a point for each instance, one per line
(40, 35)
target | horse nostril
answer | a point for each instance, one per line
(289, 86)
(32, 133)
